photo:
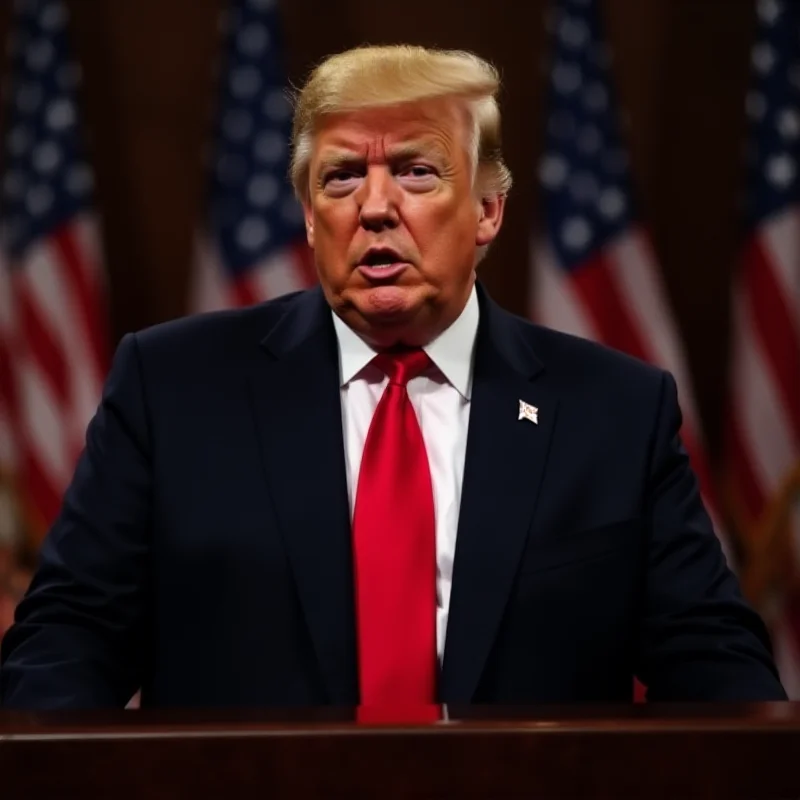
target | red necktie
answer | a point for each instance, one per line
(395, 548)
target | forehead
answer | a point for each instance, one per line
(435, 124)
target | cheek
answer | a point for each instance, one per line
(338, 220)
(333, 237)
(446, 228)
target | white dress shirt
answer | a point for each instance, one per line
(441, 399)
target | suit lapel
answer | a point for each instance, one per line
(297, 411)
(504, 466)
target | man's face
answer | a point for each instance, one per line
(394, 221)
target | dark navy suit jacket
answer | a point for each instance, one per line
(203, 550)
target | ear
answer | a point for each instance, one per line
(308, 216)
(490, 219)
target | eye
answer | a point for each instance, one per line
(418, 171)
(340, 181)
(418, 177)
(338, 176)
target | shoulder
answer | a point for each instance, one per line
(586, 373)
(604, 395)
(217, 337)
(215, 326)
(566, 355)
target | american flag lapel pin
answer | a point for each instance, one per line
(529, 412)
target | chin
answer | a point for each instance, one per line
(410, 331)
(388, 315)
(388, 304)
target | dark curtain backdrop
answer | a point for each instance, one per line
(681, 68)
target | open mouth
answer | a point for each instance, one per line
(382, 265)
(382, 258)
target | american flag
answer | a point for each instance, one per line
(763, 424)
(594, 271)
(253, 246)
(53, 326)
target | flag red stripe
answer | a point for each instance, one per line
(243, 292)
(86, 291)
(602, 300)
(42, 347)
(776, 329)
(7, 392)
(42, 497)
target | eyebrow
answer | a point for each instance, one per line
(336, 159)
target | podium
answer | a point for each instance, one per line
(644, 752)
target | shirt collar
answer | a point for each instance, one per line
(451, 351)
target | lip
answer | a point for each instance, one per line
(385, 272)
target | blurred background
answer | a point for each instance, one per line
(654, 150)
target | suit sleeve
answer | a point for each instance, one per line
(700, 640)
(78, 636)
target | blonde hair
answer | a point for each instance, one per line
(373, 77)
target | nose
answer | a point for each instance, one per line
(377, 200)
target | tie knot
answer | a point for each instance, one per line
(402, 365)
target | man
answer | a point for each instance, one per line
(385, 490)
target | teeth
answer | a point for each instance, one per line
(381, 260)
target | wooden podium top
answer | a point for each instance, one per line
(644, 751)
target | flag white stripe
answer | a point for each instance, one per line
(84, 229)
(280, 274)
(643, 291)
(556, 306)
(552, 302)
(780, 238)
(762, 416)
(37, 298)
(43, 283)
(8, 452)
(41, 422)
(54, 296)
(85, 241)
